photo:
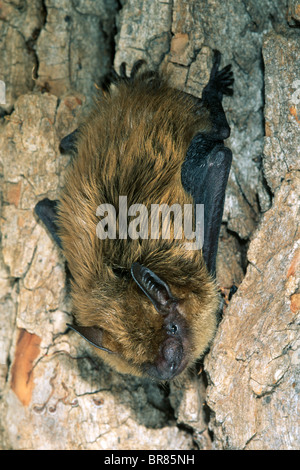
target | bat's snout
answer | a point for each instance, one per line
(173, 355)
(170, 361)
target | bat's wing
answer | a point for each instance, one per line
(205, 177)
(206, 168)
(92, 334)
(68, 143)
(46, 210)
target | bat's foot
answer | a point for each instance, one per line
(228, 292)
(135, 68)
(147, 75)
(115, 77)
(232, 291)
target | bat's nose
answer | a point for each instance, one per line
(172, 353)
(170, 361)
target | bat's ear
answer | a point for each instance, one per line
(155, 288)
(92, 334)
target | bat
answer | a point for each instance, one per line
(146, 299)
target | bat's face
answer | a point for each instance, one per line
(172, 334)
(153, 331)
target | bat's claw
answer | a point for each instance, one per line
(122, 75)
(228, 292)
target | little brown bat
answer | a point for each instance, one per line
(148, 304)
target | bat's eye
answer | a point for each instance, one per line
(173, 328)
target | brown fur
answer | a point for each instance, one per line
(134, 144)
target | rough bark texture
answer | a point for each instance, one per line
(55, 394)
(254, 365)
